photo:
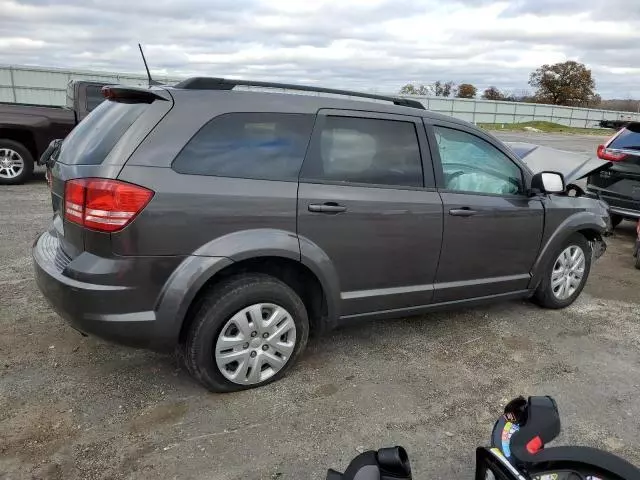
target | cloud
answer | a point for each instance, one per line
(365, 44)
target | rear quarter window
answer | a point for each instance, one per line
(268, 146)
(93, 138)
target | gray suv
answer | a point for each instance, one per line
(231, 221)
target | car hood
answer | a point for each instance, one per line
(572, 165)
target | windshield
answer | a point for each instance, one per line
(95, 136)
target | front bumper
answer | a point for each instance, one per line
(120, 313)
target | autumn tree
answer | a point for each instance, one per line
(492, 93)
(466, 90)
(568, 83)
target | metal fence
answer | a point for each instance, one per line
(47, 86)
(491, 111)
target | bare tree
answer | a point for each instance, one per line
(410, 89)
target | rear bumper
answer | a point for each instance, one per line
(624, 207)
(625, 212)
(94, 305)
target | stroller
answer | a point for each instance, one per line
(517, 452)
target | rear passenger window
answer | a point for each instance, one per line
(269, 146)
(366, 150)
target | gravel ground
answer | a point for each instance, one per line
(79, 408)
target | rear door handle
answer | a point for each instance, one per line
(462, 212)
(327, 207)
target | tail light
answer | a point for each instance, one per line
(609, 154)
(103, 205)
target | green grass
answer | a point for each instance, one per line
(548, 127)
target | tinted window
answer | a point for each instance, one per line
(93, 138)
(363, 150)
(268, 146)
(471, 164)
(629, 138)
(94, 96)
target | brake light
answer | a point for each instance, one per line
(610, 155)
(103, 205)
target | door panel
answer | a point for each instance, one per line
(492, 230)
(384, 246)
(367, 199)
(491, 251)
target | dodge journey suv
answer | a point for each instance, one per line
(231, 221)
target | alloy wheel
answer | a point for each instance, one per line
(11, 163)
(568, 272)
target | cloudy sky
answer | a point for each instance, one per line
(364, 44)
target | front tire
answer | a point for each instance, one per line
(16, 162)
(566, 275)
(248, 332)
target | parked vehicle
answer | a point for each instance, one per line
(233, 223)
(619, 185)
(26, 130)
(615, 124)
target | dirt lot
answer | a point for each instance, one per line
(79, 408)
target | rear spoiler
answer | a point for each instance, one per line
(125, 94)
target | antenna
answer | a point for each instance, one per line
(151, 80)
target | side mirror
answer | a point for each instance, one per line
(547, 182)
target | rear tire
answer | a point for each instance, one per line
(549, 293)
(14, 152)
(250, 344)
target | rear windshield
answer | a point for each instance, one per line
(95, 136)
(629, 138)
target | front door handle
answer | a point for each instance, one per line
(462, 212)
(327, 207)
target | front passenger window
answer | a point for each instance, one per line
(471, 164)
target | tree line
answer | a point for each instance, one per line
(568, 83)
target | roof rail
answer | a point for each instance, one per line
(213, 83)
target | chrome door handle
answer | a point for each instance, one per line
(462, 212)
(328, 207)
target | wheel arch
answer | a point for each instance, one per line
(269, 251)
(22, 136)
(588, 224)
(291, 272)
